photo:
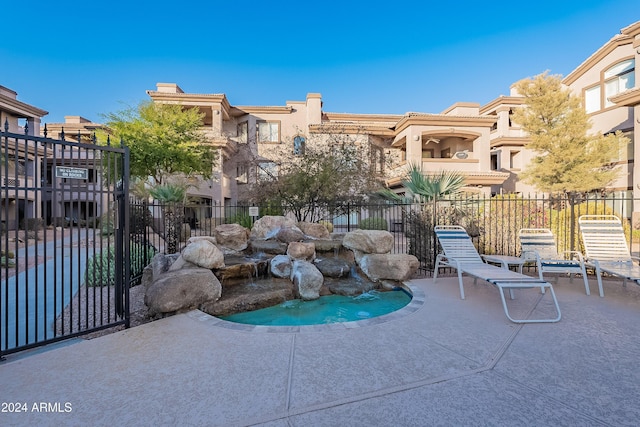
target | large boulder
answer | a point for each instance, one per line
(271, 247)
(211, 239)
(203, 253)
(268, 226)
(232, 236)
(314, 230)
(398, 267)
(159, 264)
(328, 245)
(307, 279)
(333, 266)
(300, 250)
(289, 234)
(280, 266)
(182, 290)
(369, 241)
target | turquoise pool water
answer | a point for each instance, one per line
(326, 309)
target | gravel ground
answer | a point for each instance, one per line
(138, 310)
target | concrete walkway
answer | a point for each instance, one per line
(43, 291)
(443, 361)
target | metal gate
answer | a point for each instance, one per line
(63, 215)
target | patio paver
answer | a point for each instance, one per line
(450, 362)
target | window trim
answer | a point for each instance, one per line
(604, 103)
(271, 122)
(243, 138)
(303, 145)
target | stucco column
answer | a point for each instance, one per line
(34, 125)
(414, 148)
(636, 167)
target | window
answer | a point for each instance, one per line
(494, 162)
(446, 153)
(299, 145)
(514, 160)
(267, 170)
(242, 175)
(243, 131)
(268, 132)
(592, 99)
(427, 153)
(618, 78)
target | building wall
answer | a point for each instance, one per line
(22, 166)
(492, 150)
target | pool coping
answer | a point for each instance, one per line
(417, 301)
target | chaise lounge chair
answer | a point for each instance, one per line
(459, 253)
(539, 245)
(606, 248)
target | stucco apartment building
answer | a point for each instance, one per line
(30, 186)
(480, 141)
(20, 162)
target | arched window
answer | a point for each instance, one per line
(618, 78)
(299, 145)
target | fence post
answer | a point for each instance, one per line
(572, 218)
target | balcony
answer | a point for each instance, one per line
(461, 165)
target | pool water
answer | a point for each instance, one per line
(326, 309)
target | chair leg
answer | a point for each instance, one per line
(506, 309)
(586, 281)
(599, 277)
(461, 285)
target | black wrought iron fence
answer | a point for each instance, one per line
(60, 275)
(493, 222)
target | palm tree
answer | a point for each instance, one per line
(423, 188)
(426, 187)
(173, 197)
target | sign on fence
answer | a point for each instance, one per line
(69, 172)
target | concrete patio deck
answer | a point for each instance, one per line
(445, 361)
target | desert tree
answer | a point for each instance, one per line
(335, 169)
(164, 140)
(568, 158)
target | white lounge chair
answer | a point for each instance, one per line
(539, 245)
(459, 253)
(606, 248)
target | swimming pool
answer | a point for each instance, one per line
(325, 310)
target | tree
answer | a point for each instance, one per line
(172, 197)
(433, 189)
(163, 139)
(334, 169)
(425, 188)
(568, 159)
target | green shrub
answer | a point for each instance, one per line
(240, 218)
(6, 262)
(100, 270)
(502, 217)
(373, 223)
(327, 224)
(561, 223)
(107, 223)
(139, 219)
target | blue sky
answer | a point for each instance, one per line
(90, 58)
